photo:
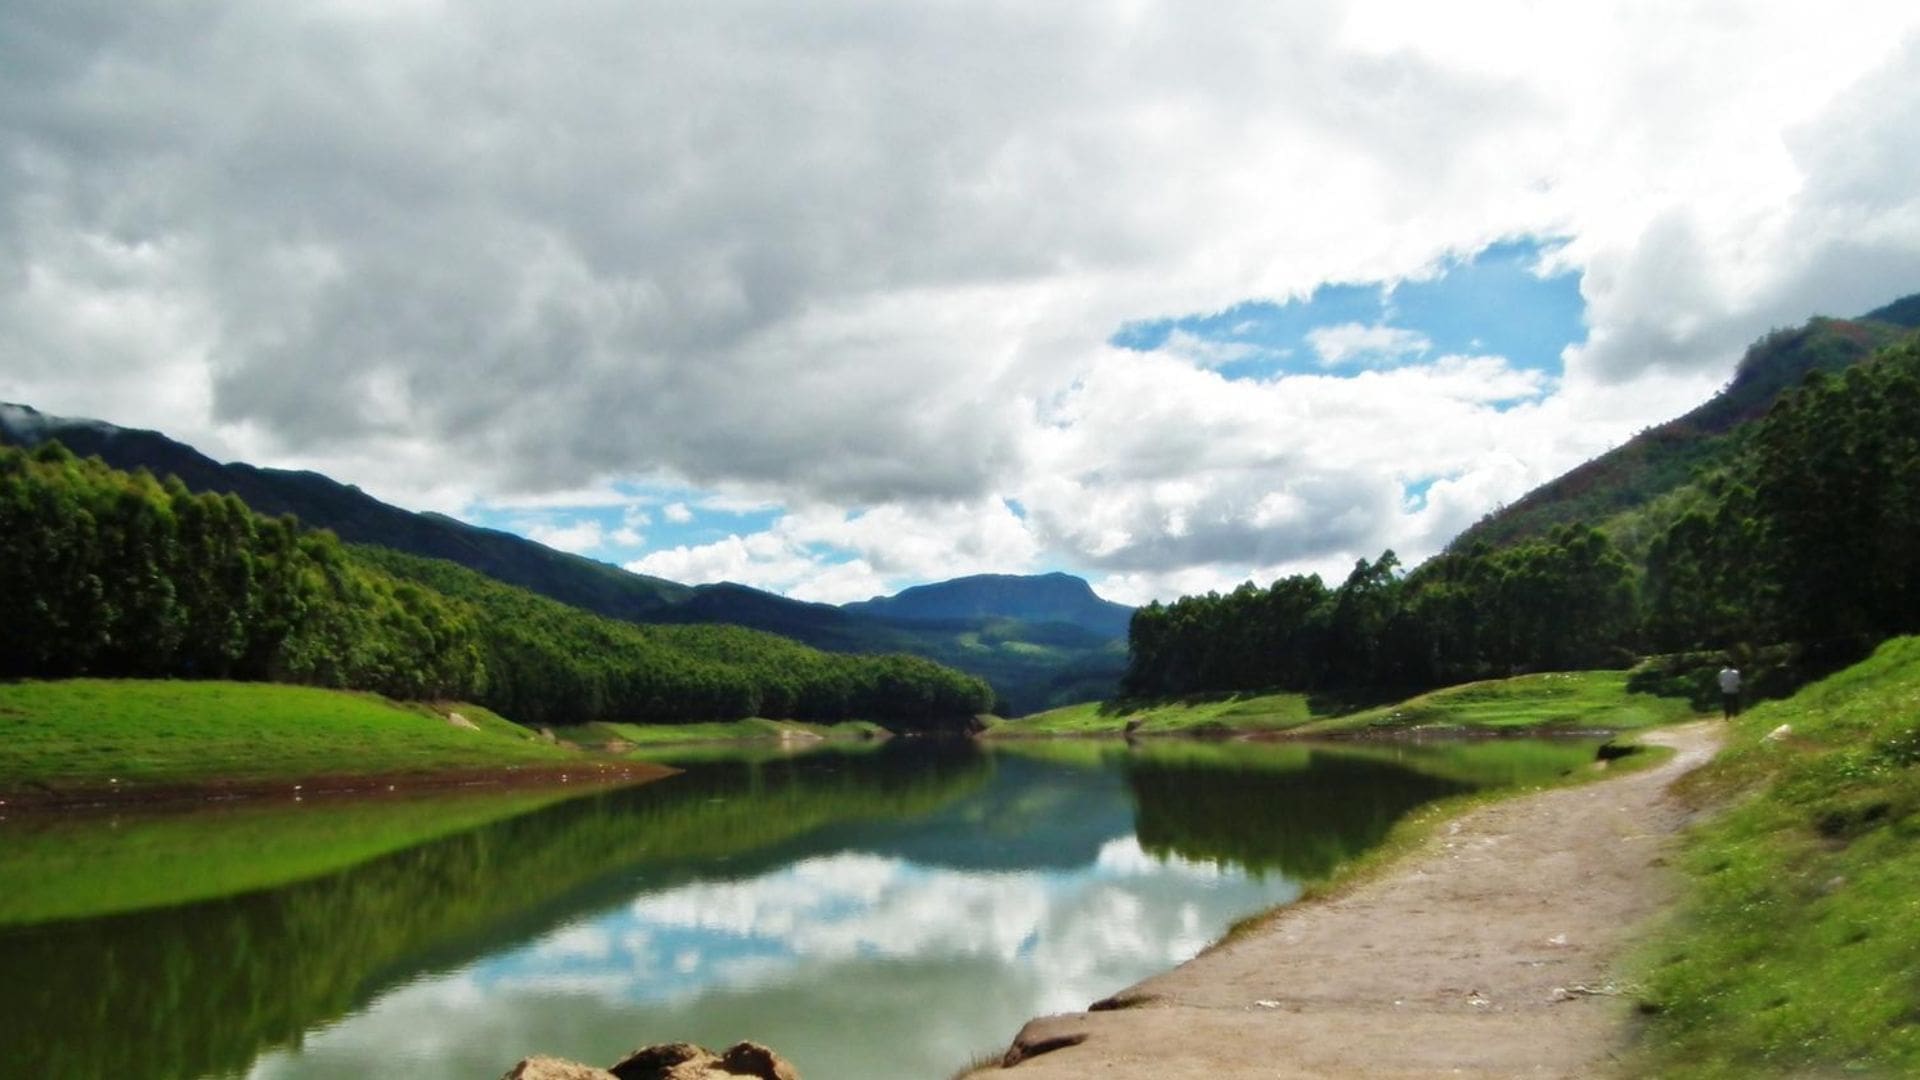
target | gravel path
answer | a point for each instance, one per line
(1487, 952)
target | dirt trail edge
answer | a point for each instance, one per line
(1489, 951)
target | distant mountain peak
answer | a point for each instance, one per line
(1051, 597)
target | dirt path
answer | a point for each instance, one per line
(1487, 952)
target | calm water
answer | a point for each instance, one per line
(888, 912)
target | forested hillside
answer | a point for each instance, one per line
(1030, 666)
(550, 662)
(110, 573)
(104, 572)
(1662, 459)
(1566, 601)
(1805, 532)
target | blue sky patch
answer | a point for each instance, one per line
(1493, 303)
(659, 518)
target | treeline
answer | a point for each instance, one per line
(1809, 535)
(549, 662)
(1561, 602)
(117, 574)
(1812, 534)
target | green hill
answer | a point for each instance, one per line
(133, 735)
(1662, 459)
(1030, 665)
(116, 574)
(1780, 514)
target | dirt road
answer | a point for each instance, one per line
(1486, 953)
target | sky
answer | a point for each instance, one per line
(836, 298)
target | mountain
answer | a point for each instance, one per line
(355, 516)
(1666, 458)
(1031, 665)
(1040, 598)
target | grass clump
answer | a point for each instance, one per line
(1795, 952)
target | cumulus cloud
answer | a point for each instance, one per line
(577, 537)
(833, 556)
(1349, 342)
(862, 258)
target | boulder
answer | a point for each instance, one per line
(752, 1059)
(553, 1068)
(685, 1061)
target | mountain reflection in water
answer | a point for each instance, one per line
(889, 911)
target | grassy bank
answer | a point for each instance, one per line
(133, 735)
(1795, 951)
(1542, 704)
(1548, 703)
(1206, 714)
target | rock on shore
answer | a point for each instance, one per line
(666, 1061)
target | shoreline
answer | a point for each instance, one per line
(1489, 949)
(586, 773)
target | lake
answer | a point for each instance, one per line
(886, 910)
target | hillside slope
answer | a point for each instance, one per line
(1030, 665)
(1664, 458)
(353, 515)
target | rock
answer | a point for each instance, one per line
(553, 1068)
(685, 1061)
(752, 1059)
(1778, 734)
(459, 721)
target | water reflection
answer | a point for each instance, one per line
(887, 913)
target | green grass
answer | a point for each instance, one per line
(1548, 703)
(86, 734)
(1200, 714)
(1796, 951)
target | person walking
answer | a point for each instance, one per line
(1729, 692)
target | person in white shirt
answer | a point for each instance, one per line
(1729, 691)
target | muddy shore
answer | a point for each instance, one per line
(1491, 950)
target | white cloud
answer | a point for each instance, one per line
(517, 255)
(632, 521)
(833, 556)
(577, 537)
(1348, 342)
(1209, 352)
(676, 513)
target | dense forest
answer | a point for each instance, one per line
(548, 662)
(1039, 641)
(111, 573)
(1807, 532)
